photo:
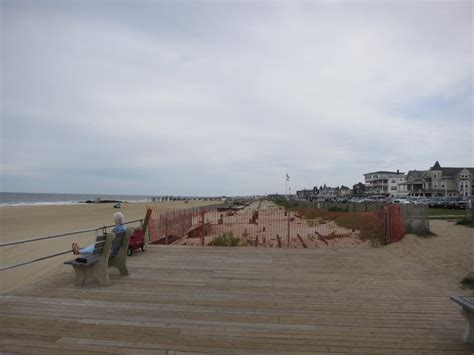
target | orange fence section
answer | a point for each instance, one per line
(276, 227)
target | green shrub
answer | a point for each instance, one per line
(225, 240)
(337, 209)
(466, 222)
(282, 202)
(468, 282)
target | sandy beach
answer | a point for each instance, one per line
(448, 254)
(24, 222)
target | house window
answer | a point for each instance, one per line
(435, 175)
(394, 181)
(393, 188)
(435, 186)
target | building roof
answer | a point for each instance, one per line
(450, 171)
(385, 172)
(415, 173)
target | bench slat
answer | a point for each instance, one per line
(98, 251)
(90, 260)
(117, 242)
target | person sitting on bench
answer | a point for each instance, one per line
(119, 228)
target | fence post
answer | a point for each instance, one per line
(387, 226)
(288, 234)
(202, 227)
(166, 230)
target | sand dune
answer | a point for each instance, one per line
(448, 255)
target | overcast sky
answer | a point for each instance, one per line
(223, 98)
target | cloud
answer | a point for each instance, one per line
(224, 99)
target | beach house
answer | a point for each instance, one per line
(440, 181)
(384, 183)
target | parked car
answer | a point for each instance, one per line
(422, 201)
(401, 201)
(374, 199)
(450, 202)
(435, 202)
(463, 203)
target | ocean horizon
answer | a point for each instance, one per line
(38, 199)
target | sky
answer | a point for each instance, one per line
(224, 98)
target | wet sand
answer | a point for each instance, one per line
(25, 222)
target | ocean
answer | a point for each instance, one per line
(25, 199)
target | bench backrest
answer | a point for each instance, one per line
(100, 243)
(117, 243)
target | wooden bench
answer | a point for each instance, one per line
(467, 311)
(96, 265)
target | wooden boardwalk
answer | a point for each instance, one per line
(240, 300)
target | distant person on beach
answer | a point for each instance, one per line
(119, 228)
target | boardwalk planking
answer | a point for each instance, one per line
(240, 300)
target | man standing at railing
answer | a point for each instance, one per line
(119, 228)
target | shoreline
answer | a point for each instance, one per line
(67, 203)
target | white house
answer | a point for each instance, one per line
(389, 183)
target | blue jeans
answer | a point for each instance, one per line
(119, 228)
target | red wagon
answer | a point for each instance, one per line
(137, 240)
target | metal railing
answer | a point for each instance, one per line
(97, 230)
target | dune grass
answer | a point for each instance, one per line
(225, 240)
